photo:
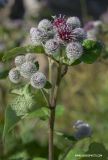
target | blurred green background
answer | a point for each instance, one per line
(83, 92)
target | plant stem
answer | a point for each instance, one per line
(55, 94)
(51, 133)
(53, 100)
(50, 78)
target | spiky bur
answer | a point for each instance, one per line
(79, 34)
(37, 36)
(45, 25)
(27, 69)
(38, 80)
(30, 57)
(83, 129)
(19, 60)
(14, 75)
(74, 50)
(73, 22)
(52, 47)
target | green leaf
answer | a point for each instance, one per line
(17, 91)
(22, 106)
(11, 119)
(40, 100)
(42, 113)
(96, 149)
(72, 154)
(28, 91)
(78, 61)
(23, 50)
(48, 85)
(21, 90)
(22, 155)
(24, 102)
(71, 151)
(92, 50)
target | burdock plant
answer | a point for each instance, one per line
(65, 44)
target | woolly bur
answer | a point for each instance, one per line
(38, 80)
(14, 75)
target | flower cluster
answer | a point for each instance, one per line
(26, 69)
(83, 129)
(59, 32)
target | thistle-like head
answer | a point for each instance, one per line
(37, 36)
(51, 46)
(74, 50)
(83, 130)
(38, 80)
(27, 69)
(14, 75)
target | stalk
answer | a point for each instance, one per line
(51, 134)
(52, 107)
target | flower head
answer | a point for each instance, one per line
(38, 80)
(74, 50)
(14, 75)
(78, 123)
(51, 46)
(37, 36)
(30, 57)
(68, 30)
(65, 33)
(45, 25)
(27, 69)
(79, 34)
(19, 60)
(83, 130)
(73, 22)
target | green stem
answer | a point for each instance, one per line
(51, 134)
(52, 107)
(50, 78)
(53, 100)
(55, 94)
(67, 151)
